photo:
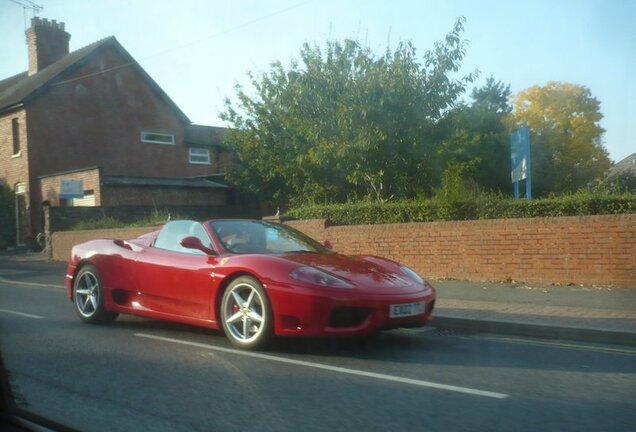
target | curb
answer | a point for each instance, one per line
(537, 330)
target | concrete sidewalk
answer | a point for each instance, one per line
(589, 314)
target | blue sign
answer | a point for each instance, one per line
(71, 189)
(520, 154)
(520, 160)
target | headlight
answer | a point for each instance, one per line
(314, 276)
(412, 275)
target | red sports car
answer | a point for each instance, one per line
(252, 279)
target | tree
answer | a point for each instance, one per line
(344, 123)
(493, 97)
(474, 135)
(565, 135)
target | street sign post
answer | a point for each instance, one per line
(520, 160)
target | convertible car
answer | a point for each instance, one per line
(251, 279)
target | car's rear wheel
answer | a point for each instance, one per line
(88, 296)
(246, 314)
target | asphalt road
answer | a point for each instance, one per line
(138, 374)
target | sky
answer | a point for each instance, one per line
(199, 50)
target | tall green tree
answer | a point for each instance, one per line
(475, 136)
(565, 134)
(344, 123)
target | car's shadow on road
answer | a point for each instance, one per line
(425, 346)
(412, 346)
(377, 345)
(148, 324)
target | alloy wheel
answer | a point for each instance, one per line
(244, 313)
(87, 294)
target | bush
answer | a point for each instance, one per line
(105, 222)
(624, 182)
(485, 207)
(157, 217)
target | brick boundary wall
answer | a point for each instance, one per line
(63, 241)
(590, 250)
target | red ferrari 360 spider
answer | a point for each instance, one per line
(252, 279)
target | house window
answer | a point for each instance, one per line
(15, 126)
(157, 137)
(199, 156)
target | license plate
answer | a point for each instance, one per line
(406, 309)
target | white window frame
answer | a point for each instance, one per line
(145, 133)
(19, 188)
(202, 152)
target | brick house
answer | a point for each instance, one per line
(95, 116)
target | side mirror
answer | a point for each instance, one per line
(328, 245)
(195, 243)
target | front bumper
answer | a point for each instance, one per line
(328, 312)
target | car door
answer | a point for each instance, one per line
(174, 280)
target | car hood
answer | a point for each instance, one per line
(369, 273)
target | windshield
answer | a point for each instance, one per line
(239, 236)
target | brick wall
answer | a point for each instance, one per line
(63, 242)
(97, 121)
(582, 250)
(13, 168)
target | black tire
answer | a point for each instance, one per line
(88, 297)
(246, 314)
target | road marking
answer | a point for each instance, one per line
(562, 345)
(22, 314)
(32, 284)
(348, 371)
(414, 331)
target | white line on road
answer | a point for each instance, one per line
(556, 344)
(32, 284)
(384, 377)
(22, 314)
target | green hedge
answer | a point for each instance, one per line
(482, 208)
(157, 217)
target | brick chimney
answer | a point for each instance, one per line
(47, 43)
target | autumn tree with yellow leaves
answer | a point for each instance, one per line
(565, 134)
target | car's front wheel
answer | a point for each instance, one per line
(246, 314)
(88, 296)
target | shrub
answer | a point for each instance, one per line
(156, 217)
(484, 207)
(101, 223)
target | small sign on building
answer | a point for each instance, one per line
(71, 189)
